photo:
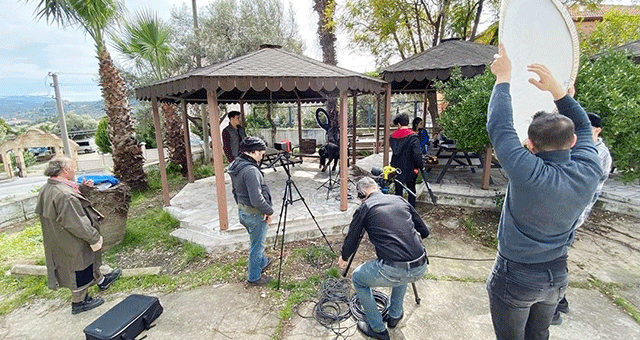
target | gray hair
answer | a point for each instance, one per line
(56, 165)
(366, 183)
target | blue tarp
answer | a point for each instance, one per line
(99, 179)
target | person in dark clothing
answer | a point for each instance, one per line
(396, 230)
(255, 209)
(329, 152)
(232, 135)
(407, 155)
(549, 186)
(423, 135)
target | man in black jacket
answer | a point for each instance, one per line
(407, 155)
(396, 230)
(254, 204)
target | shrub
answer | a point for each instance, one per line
(102, 136)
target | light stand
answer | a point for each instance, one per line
(329, 184)
(287, 199)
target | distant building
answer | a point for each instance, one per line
(586, 18)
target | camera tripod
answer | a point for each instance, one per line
(330, 183)
(287, 199)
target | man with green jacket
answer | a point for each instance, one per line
(72, 242)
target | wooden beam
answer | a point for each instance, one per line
(161, 163)
(344, 185)
(299, 127)
(187, 142)
(244, 120)
(218, 165)
(353, 130)
(377, 146)
(387, 122)
(425, 108)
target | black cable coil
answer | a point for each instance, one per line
(382, 301)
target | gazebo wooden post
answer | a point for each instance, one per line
(354, 130)
(425, 108)
(433, 109)
(187, 142)
(343, 151)
(218, 166)
(161, 163)
(244, 121)
(486, 168)
(299, 127)
(387, 123)
(377, 123)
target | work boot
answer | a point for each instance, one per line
(109, 278)
(262, 281)
(89, 303)
(269, 261)
(391, 321)
(366, 330)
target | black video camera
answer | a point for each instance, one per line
(284, 146)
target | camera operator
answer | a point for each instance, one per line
(396, 230)
(254, 204)
(407, 155)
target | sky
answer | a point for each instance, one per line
(30, 49)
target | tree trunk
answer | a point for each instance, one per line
(125, 150)
(327, 36)
(476, 21)
(174, 136)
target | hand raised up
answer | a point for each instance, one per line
(501, 66)
(546, 82)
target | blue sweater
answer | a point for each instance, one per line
(547, 191)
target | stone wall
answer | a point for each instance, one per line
(18, 210)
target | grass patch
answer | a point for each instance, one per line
(610, 290)
(25, 245)
(192, 252)
(483, 234)
(298, 292)
(316, 256)
(22, 289)
(149, 230)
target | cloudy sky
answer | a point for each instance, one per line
(30, 49)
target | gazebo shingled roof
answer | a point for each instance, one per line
(267, 75)
(416, 73)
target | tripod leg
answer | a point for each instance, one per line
(415, 293)
(284, 227)
(282, 209)
(313, 217)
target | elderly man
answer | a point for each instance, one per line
(396, 230)
(72, 242)
(549, 186)
(254, 205)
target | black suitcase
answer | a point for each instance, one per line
(125, 320)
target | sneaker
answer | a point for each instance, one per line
(262, 281)
(391, 321)
(563, 306)
(557, 319)
(269, 261)
(363, 327)
(89, 303)
(109, 278)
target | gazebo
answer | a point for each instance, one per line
(267, 75)
(418, 73)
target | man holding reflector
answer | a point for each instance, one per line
(549, 186)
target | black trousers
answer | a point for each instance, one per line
(411, 185)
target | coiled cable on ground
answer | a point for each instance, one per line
(382, 301)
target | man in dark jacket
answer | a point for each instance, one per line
(407, 155)
(549, 187)
(232, 135)
(71, 239)
(396, 230)
(254, 204)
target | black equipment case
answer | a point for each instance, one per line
(125, 320)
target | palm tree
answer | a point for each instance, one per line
(95, 16)
(145, 40)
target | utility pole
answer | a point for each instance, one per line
(63, 122)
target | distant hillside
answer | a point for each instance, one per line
(36, 109)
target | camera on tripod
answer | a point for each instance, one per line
(284, 146)
(385, 176)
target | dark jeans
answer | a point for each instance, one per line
(523, 297)
(411, 184)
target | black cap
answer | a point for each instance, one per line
(595, 119)
(250, 144)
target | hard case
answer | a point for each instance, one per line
(125, 320)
